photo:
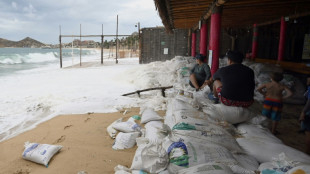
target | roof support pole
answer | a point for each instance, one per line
(215, 32)
(254, 41)
(193, 44)
(282, 40)
(203, 38)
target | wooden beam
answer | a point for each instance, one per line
(208, 12)
(290, 17)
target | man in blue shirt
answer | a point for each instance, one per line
(200, 74)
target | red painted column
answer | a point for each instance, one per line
(215, 32)
(282, 40)
(254, 41)
(193, 44)
(203, 39)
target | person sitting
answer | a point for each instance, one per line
(200, 74)
(234, 84)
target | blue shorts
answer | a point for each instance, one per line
(272, 109)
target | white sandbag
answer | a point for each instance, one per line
(303, 169)
(279, 164)
(191, 117)
(270, 168)
(40, 153)
(169, 119)
(178, 105)
(246, 161)
(150, 115)
(151, 158)
(205, 134)
(257, 132)
(119, 169)
(188, 154)
(138, 172)
(259, 120)
(137, 161)
(127, 126)
(164, 172)
(266, 165)
(208, 168)
(111, 131)
(265, 151)
(230, 114)
(155, 132)
(154, 158)
(125, 140)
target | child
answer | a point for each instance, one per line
(305, 119)
(272, 92)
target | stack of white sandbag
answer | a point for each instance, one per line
(128, 132)
(196, 130)
(206, 141)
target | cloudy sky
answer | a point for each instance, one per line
(40, 19)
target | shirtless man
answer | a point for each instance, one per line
(273, 93)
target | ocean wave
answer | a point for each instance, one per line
(10, 57)
(27, 58)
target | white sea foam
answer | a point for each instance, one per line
(34, 95)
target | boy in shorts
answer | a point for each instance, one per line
(273, 93)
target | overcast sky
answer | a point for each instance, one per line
(40, 19)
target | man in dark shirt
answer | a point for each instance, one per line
(200, 74)
(234, 84)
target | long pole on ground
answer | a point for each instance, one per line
(116, 38)
(102, 45)
(60, 51)
(80, 44)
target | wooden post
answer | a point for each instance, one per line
(102, 49)
(116, 39)
(215, 32)
(282, 40)
(254, 41)
(203, 38)
(102, 45)
(60, 51)
(80, 44)
(193, 44)
(140, 44)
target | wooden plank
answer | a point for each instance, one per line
(291, 66)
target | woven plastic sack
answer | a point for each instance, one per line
(208, 168)
(150, 115)
(125, 140)
(40, 153)
(111, 131)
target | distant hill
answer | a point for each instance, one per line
(27, 42)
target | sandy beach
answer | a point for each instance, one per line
(86, 146)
